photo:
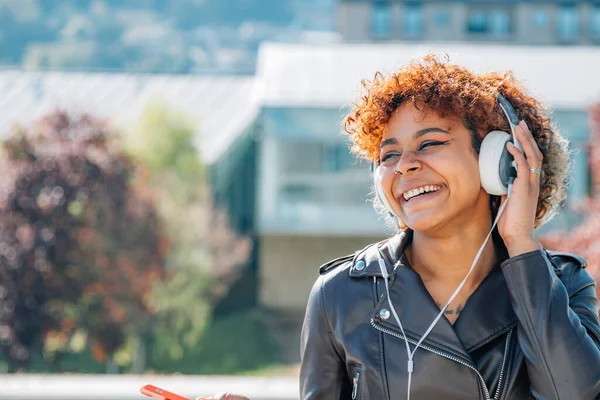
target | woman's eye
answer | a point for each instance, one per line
(388, 157)
(424, 145)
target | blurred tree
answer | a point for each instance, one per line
(80, 242)
(583, 240)
(206, 256)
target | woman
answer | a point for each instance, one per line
(437, 311)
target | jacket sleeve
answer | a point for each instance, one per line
(558, 329)
(322, 370)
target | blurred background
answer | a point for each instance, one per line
(173, 173)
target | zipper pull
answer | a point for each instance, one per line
(355, 385)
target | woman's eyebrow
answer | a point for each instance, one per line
(425, 131)
(416, 135)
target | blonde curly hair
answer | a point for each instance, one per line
(453, 90)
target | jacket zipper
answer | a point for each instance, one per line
(456, 359)
(506, 353)
(355, 385)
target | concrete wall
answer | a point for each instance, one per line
(527, 31)
(354, 21)
(454, 30)
(289, 266)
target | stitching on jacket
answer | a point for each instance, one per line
(506, 328)
(329, 329)
(413, 335)
(582, 289)
(529, 322)
(509, 361)
(382, 369)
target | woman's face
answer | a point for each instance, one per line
(437, 183)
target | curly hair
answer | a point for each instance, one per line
(453, 91)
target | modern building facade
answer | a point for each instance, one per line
(279, 161)
(517, 22)
(313, 197)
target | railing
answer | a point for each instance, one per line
(126, 387)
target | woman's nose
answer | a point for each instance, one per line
(407, 164)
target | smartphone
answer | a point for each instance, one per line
(160, 394)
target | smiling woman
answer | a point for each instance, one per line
(438, 310)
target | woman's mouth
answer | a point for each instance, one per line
(421, 192)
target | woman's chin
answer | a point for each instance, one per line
(425, 224)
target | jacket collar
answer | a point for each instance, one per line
(487, 314)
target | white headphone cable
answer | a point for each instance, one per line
(384, 272)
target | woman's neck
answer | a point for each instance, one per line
(448, 258)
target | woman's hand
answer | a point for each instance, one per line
(517, 222)
(224, 396)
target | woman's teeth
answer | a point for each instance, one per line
(420, 190)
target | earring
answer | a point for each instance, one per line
(396, 172)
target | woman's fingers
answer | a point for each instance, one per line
(532, 152)
(520, 161)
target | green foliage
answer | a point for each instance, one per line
(121, 35)
(163, 140)
(204, 256)
(182, 313)
(80, 242)
(236, 343)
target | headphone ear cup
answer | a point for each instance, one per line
(495, 163)
(379, 191)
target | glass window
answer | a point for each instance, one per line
(381, 20)
(413, 21)
(499, 23)
(301, 193)
(441, 18)
(477, 22)
(568, 22)
(540, 18)
(300, 157)
(339, 158)
(595, 22)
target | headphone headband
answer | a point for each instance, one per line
(511, 117)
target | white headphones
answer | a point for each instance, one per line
(497, 171)
(496, 165)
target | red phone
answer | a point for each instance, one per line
(160, 394)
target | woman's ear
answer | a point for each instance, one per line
(401, 225)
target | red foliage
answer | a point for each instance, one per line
(80, 240)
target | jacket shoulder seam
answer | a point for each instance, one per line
(326, 317)
(577, 259)
(331, 265)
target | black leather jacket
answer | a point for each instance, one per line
(529, 331)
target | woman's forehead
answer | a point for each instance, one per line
(408, 121)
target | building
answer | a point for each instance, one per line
(279, 161)
(313, 201)
(540, 22)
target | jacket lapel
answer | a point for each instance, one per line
(415, 307)
(487, 314)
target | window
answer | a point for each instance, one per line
(441, 18)
(313, 172)
(478, 22)
(499, 23)
(494, 23)
(381, 20)
(595, 23)
(568, 22)
(540, 18)
(413, 21)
